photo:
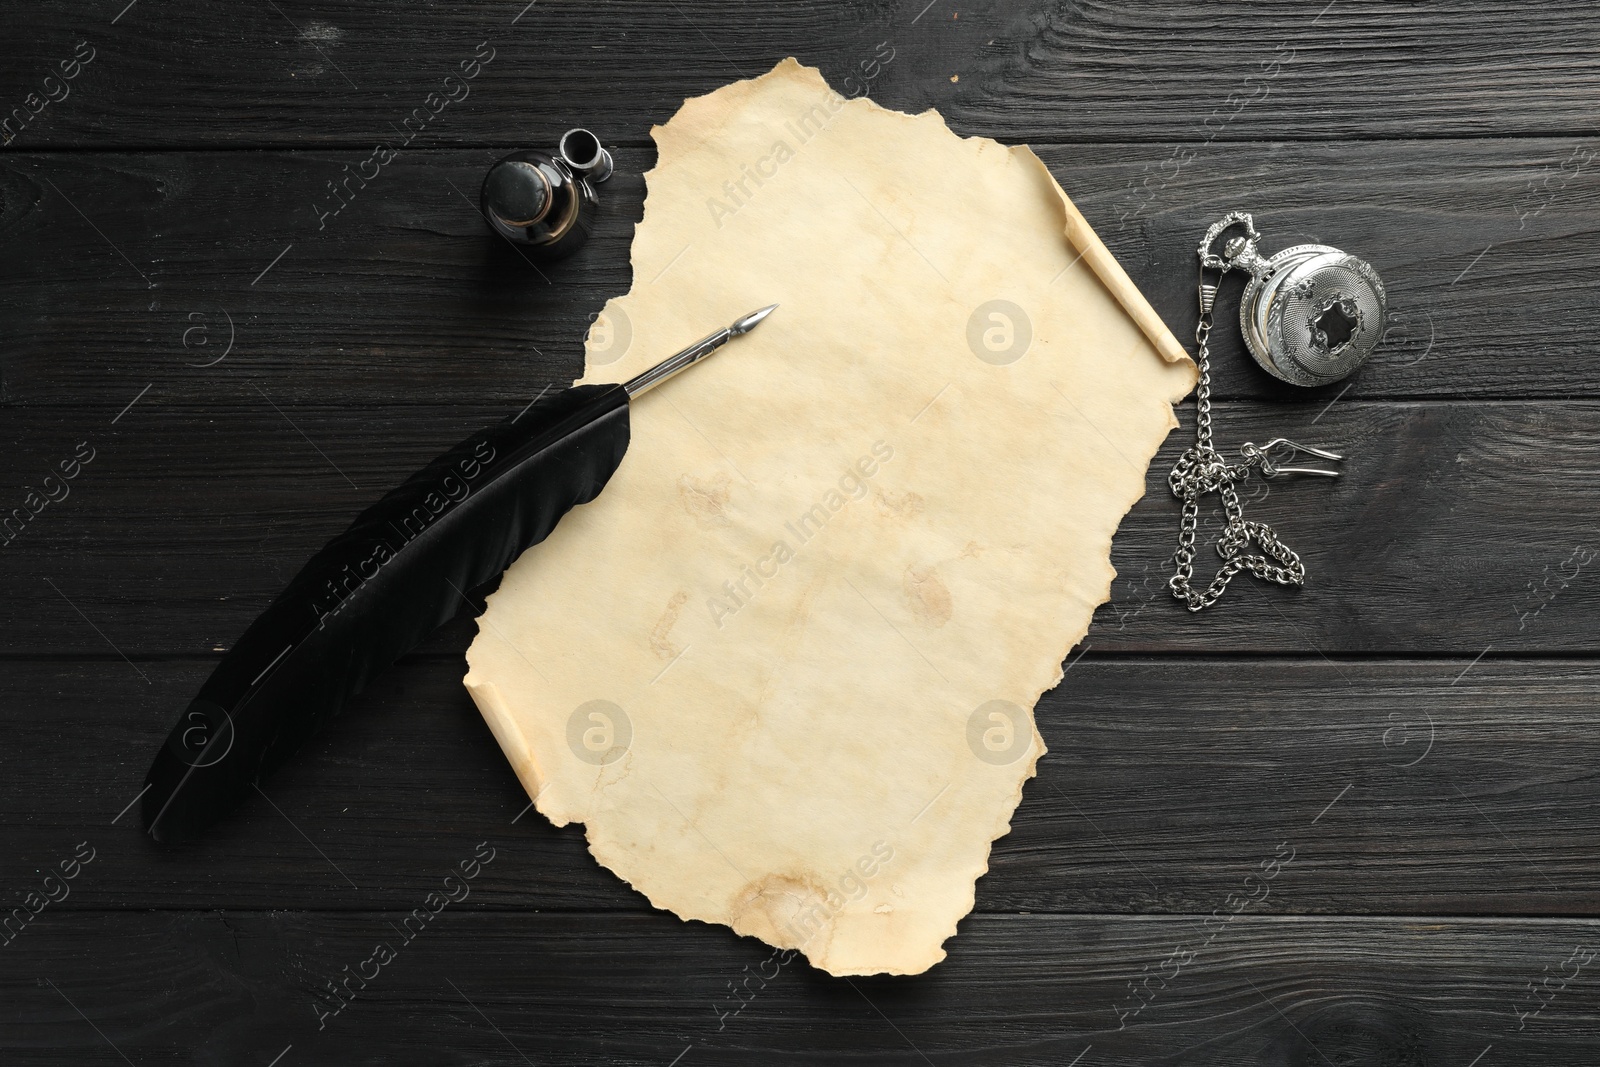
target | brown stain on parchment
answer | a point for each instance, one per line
(927, 595)
(659, 643)
(897, 505)
(786, 909)
(705, 499)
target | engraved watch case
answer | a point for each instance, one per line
(1311, 314)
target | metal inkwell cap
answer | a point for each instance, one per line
(1311, 314)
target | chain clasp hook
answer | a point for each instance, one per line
(1279, 449)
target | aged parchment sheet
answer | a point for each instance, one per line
(783, 669)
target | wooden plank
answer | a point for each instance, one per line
(1023, 991)
(1420, 787)
(342, 73)
(1455, 527)
(404, 296)
(1243, 70)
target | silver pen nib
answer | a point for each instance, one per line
(748, 323)
(694, 353)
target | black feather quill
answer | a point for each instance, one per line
(375, 591)
(401, 569)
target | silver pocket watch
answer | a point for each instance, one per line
(1310, 316)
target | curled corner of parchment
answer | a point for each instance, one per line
(1080, 234)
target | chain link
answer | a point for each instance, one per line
(1202, 470)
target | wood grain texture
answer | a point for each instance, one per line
(1422, 787)
(339, 72)
(1487, 249)
(1248, 71)
(1416, 727)
(1455, 526)
(636, 991)
(348, 74)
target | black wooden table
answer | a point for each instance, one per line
(230, 369)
